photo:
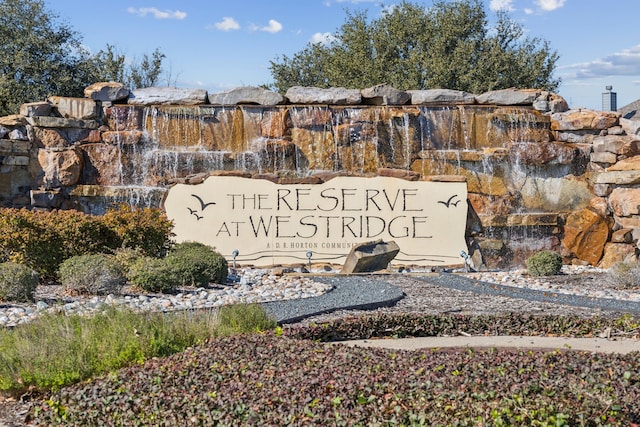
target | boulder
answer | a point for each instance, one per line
(585, 235)
(540, 153)
(583, 119)
(106, 91)
(625, 201)
(61, 168)
(370, 256)
(624, 145)
(59, 122)
(13, 120)
(508, 97)
(441, 96)
(101, 164)
(557, 104)
(46, 137)
(630, 126)
(32, 109)
(331, 96)
(384, 94)
(623, 177)
(122, 137)
(629, 164)
(617, 252)
(246, 95)
(75, 108)
(50, 199)
(167, 96)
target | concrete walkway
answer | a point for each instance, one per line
(594, 345)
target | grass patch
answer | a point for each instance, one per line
(58, 350)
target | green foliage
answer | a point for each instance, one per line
(153, 275)
(449, 45)
(43, 240)
(17, 282)
(243, 318)
(94, 274)
(55, 350)
(197, 264)
(624, 275)
(39, 56)
(261, 379)
(148, 229)
(112, 65)
(544, 263)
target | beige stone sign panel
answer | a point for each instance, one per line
(271, 224)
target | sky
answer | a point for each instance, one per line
(220, 44)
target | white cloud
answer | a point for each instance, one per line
(501, 5)
(324, 38)
(528, 11)
(157, 13)
(273, 27)
(549, 5)
(624, 63)
(227, 24)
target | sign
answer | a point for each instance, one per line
(269, 223)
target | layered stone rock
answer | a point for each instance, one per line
(60, 168)
(246, 95)
(167, 96)
(331, 96)
(508, 97)
(384, 94)
(106, 91)
(441, 96)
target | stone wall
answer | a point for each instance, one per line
(539, 176)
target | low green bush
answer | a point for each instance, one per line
(243, 318)
(197, 264)
(148, 229)
(544, 263)
(18, 282)
(624, 275)
(96, 274)
(153, 275)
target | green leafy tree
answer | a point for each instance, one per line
(449, 45)
(147, 71)
(111, 65)
(39, 56)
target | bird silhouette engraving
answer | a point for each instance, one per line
(203, 205)
(195, 213)
(450, 202)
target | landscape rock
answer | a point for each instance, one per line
(625, 201)
(583, 119)
(630, 126)
(61, 168)
(585, 235)
(32, 109)
(50, 199)
(370, 256)
(13, 120)
(75, 108)
(246, 95)
(167, 96)
(106, 91)
(508, 97)
(624, 145)
(59, 122)
(331, 96)
(384, 94)
(617, 252)
(441, 96)
(628, 164)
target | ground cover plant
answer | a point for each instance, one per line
(57, 350)
(270, 379)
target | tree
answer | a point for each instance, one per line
(38, 55)
(448, 46)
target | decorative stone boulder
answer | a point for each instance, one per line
(61, 168)
(585, 235)
(384, 94)
(75, 108)
(106, 91)
(508, 97)
(246, 95)
(583, 119)
(441, 96)
(369, 257)
(331, 96)
(167, 96)
(32, 109)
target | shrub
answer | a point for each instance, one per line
(148, 229)
(17, 282)
(127, 257)
(624, 275)
(197, 264)
(97, 274)
(544, 263)
(153, 275)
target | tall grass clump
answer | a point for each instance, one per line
(57, 350)
(624, 275)
(243, 318)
